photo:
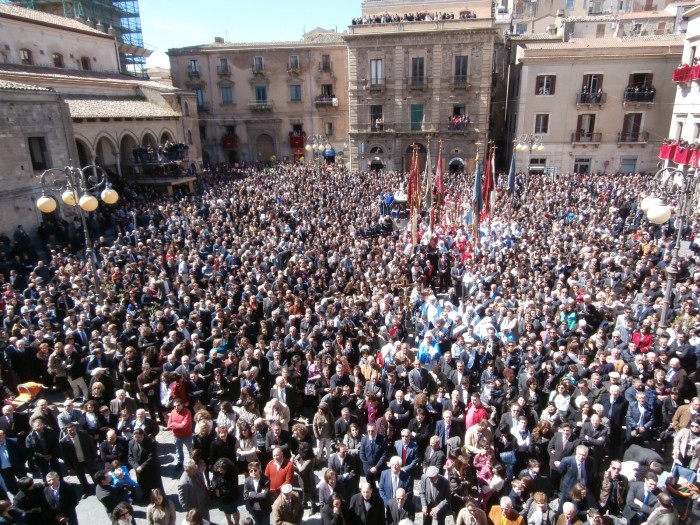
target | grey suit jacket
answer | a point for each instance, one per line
(439, 497)
(191, 494)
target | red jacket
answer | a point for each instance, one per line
(279, 477)
(180, 423)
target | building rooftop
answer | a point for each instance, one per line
(646, 14)
(62, 22)
(316, 37)
(109, 107)
(8, 85)
(594, 18)
(39, 74)
(535, 36)
(605, 43)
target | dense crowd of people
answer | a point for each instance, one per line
(268, 327)
(388, 18)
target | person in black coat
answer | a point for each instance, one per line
(143, 458)
(334, 514)
(42, 446)
(14, 424)
(434, 456)
(29, 499)
(114, 447)
(256, 494)
(348, 468)
(70, 455)
(109, 495)
(224, 446)
(617, 415)
(60, 501)
(400, 508)
(360, 514)
(278, 438)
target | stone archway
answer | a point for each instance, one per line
(148, 140)
(84, 154)
(106, 154)
(456, 165)
(264, 148)
(166, 136)
(126, 150)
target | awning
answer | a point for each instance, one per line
(329, 153)
(299, 151)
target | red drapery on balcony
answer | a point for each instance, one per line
(667, 151)
(682, 74)
(682, 155)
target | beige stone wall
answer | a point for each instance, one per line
(44, 41)
(254, 125)
(26, 114)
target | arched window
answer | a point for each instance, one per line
(57, 60)
(189, 137)
(25, 57)
(187, 109)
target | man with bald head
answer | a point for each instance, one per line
(366, 508)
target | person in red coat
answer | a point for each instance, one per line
(279, 471)
(180, 422)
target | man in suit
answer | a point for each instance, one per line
(42, 446)
(78, 453)
(568, 515)
(577, 469)
(505, 514)
(366, 508)
(393, 479)
(286, 394)
(419, 380)
(119, 403)
(446, 428)
(373, 452)
(434, 496)
(15, 425)
(11, 462)
(508, 420)
(595, 436)
(560, 446)
(641, 499)
(407, 449)
(434, 456)
(617, 413)
(640, 420)
(288, 507)
(342, 424)
(348, 468)
(60, 501)
(400, 508)
(682, 417)
(114, 447)
(278, 438)
(402, 408)
(678, 378)
(192, 490)
(69, 415)
(149, 426)
(143, 458)
(256, 491)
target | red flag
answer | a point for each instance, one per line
(414, 184)
(439, 200)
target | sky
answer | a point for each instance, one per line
(168, 24)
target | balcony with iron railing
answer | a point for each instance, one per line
(639, 96)
(586, 137)
(415, 82)
(459, 82)
(375, 84)
(599, 11)
(193, 71)
(591, 99)
(258, 70)
(260, 105)
(325, 101)
(223, 70)
(633, 137)
(325, 66)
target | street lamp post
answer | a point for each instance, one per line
(317, 144)
(529, 142)
(77, 187)
(673, 189)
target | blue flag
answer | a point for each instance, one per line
(511, 175)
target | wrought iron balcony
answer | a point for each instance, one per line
(586, 137)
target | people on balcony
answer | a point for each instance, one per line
(589, 96)
(638, 93)
(457, 122)
(167, 152)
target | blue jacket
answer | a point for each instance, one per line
(373, 455)
(386, 489)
